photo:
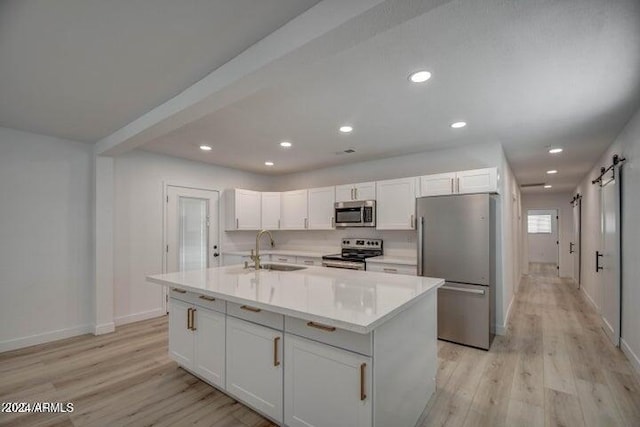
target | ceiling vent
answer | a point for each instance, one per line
(349, 151)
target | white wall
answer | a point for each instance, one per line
(139, 177)
(45, 238)
(628, 145)
(561, 202)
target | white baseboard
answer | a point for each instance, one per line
(633, 358)
(136, 317)
(502, 329)
(104, 328)
(592, 302)
(45, 337)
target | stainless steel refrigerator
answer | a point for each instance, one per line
(456, 241)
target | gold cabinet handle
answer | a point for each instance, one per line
(180, 291)
(193, 319)
(321, 326)
(308, 261)
(363, 393)
(189, 318)
(390, 270)
(276, 361)
(206, 298)
(249, 308)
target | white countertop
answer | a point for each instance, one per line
(385, 259)
(358, 301)
(291, 252)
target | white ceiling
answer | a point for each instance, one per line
(528, 74)
(81, 69)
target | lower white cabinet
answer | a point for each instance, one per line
(325, 386)
(254, 366)
(197, 340)
(410, 270)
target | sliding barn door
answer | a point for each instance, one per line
(574, 248)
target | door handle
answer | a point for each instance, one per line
(363, 388)
(598, 256)
(216, 254)
(571, 244)
(193, 319)
(420, 242)
(189, 318)
(465, 290)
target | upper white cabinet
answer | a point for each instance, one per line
(293, 211)
(437, 185)
(396, 204)
(270, 211)
(321, 208)
(243, 209)
(463, 182)
(478, 181)
(360, 191)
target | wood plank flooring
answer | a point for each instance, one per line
(555, 367)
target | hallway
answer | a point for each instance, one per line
(554, 367)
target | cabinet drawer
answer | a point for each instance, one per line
(198, 299)
(352, 341)
(256, 315)
(309, 261)
(283, 258)
(411, 270)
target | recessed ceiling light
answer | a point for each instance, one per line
(205, 147)
(552, 171)
(285, 144)
(555, 150)
(420, 76)
(547, 186)
(458, 125)
(268, 163)
(346, 129)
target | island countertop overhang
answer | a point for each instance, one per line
(358, 301)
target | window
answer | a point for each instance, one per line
(539, 224)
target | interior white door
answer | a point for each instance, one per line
(192, 241)
(574, 246)
(609, 259)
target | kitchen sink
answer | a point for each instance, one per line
(280, 267)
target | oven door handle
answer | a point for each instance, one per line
(348, 265)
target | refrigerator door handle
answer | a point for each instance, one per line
(420, 242)
(468, 291)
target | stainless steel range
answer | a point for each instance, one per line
(354, 252)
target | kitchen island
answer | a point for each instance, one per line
(309, 346)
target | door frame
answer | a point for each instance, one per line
(165, 214)
(526, 231)
(577, 204)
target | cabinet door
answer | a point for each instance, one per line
(209, 348)
(477, 181)
(325, 386)
(344, 193)
(396, 204)
(436, 185)
(321, 208)
(254, 366)
(365, 191)
(180, 338)
(270, 211)
(293, 213)
(247, 209)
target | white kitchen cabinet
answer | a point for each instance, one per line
(360, 191)
(243, 210)
(293, 211)
(254, 366)
(197, 340)
(438, 184)
(462, 182)
(321, 208)
(270, 211)
(396, 204)
(477, 181)
(311, 369)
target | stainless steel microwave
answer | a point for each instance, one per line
(355, 214)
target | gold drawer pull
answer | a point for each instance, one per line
(249, 308)
(180, 291)
(363, 393)
(193, 319)
(206, 298)
(283, 259)
(276, 362)
(189, 318)
(321, 326)
(391, 270)
(308, 262)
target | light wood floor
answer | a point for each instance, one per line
(554, 367)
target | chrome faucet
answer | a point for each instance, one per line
(255, 257)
